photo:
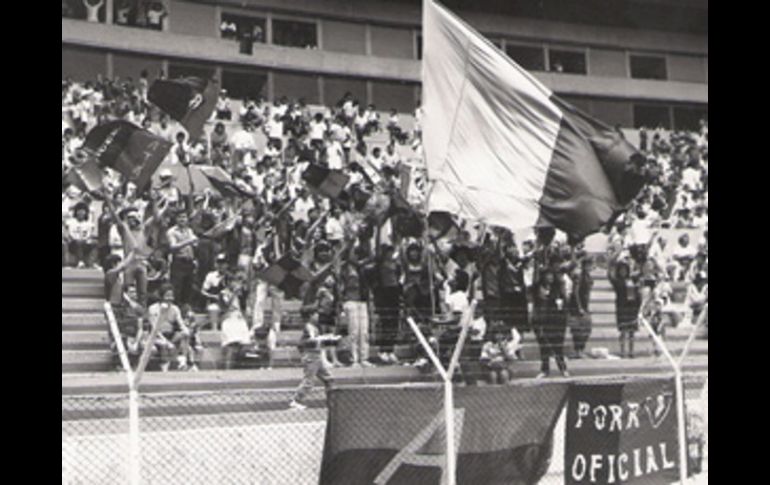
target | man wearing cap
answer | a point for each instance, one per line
(133, 232)
(167, 189)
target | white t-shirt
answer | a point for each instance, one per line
(457, 301)
(317, 130)
(243, 140)
(301, 208)
(81, 230)
(639, 232)
(334, 230)
(275, 129)
(334, 155)
(235, 330)
(691, 178)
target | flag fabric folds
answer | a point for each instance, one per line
(124, 147)
(224, 183)
(502, 149)
(325, 181)
(189, 100)
(288, 274)
(505, 434)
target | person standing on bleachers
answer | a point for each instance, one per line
(627, 303)
(182, 241)
(579, 315)
(549, 320)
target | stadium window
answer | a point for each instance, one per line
(243, 84)
(240, 27)
(294, 33)
(567, 62)
(688, 117)
(648, 67)
(73, 9)
(187, 70)
(529, 57)
(418, 46)
(652, 116)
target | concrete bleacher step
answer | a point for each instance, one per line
(82, 290)
(85, 340)
(83, 321)
(602, 306)
(82, 275)
(82, 305)
(217, 381)
(86, 361)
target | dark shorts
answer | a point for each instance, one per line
(326, 323)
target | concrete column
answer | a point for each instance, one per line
(321, 88)
(319, 32)
(110, 66)
(370, 92)
(368, 39)
(270, 86)
(109, 11)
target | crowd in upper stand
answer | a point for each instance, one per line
(200, 250)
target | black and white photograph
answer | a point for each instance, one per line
(384, 242)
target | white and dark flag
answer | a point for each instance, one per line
(502, 149)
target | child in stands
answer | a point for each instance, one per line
(195, 346)
(497, 354)
(312, 363)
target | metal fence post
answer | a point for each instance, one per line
(679, 389)
(446, 376)
(134, 446)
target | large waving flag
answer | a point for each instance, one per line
(501, 148)
(189, 100)
(122, 146)
(504, 434)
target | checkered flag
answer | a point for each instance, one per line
(288, 274)
(327, 182)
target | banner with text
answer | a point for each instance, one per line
(621, 432)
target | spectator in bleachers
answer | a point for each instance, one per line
(497, 354)
(697, 295)
(549, 320)
(354, 296)
(627, 303)
(223, 111)
(213, 285)
(273, 174)
(313, 365)
(579, 314)
(182, 240)
(156, 15)
(81, 236)
(173, 335)
(235, 330)
(386, 288)
(93, 7)
(683, 255)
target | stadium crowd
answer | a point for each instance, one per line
(370, 260)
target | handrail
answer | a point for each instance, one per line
(118, 341)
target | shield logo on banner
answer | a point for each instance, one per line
(658, 407)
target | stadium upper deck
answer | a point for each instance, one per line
(630, 62)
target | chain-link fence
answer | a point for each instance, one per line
(515, 433)
(94, 439)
